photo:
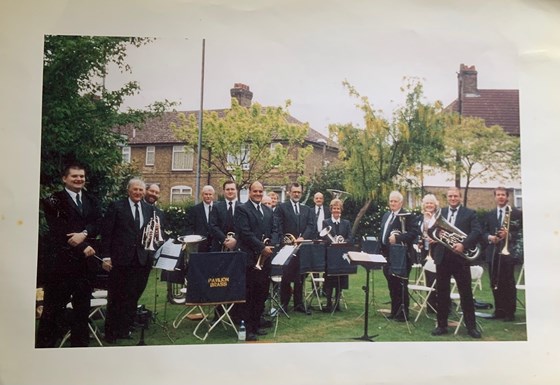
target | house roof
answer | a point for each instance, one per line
(157, 130)
(496, 107)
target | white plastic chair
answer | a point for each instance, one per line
(96, 307)
(520, 285)
(419, 292)
(476, 281)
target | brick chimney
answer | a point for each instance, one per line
(242, 93)
(467, 81)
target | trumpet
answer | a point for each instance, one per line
(258, 265)
(334, 239)
(448, 235)
(505, 225)
(152, 233)
(229, 235)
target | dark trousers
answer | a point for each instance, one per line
(291, 274)
(502, 281)
(126, 285)
(451, 265)
(256, 294)
(70, 282)
(398, 291)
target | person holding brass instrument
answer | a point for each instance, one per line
(129, 226)
(73, 218)
(295, 221)
(198, 219)
(430, 205)
(340, 232)
(398, 233)
(256, 233)
(501, 231)
(222, 219)
(452, 260)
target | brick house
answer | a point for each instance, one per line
(163, 159)
(496, 107)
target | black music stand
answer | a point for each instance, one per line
(368, 262)
(215, 279)
(398, 255)
(312, 260)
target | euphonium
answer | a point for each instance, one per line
(334, 239)
(505, 225)
(258, 265)
(448, 235)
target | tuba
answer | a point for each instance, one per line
(448, 235)
(334, 239)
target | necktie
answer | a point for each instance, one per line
(209, 212)
(259, 211)
(229, 217)
(452, 217)
(296, 209)
(79, 203)
(136, 216)
(319, 221)
(500, 217)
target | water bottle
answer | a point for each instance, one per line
(242, 332)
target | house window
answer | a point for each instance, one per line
(150, 155)
(125, 154)
(183, 158)
(517, 198)
(240, 159)
(180, 194)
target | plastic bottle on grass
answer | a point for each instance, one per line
(242, 334)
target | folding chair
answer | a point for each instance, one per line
(312, 263)
(419, 291)
(520, 285)
(476, 281)
(96, 308)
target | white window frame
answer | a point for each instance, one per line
(237, 159)
(150, 155)
(184, 191)
(189, 162)
(518, 198)
(126, 152)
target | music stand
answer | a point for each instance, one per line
(338, 265)
(215, 279)
(312, 261)
(368, 262)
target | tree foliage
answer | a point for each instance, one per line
(79, 113)
(248, 143)
(478, 152)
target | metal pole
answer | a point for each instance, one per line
(200, 119)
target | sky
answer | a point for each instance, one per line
(306, 61)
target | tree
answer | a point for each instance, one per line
(483, 153)
(379, 157)
(248, 143)
(79, 114)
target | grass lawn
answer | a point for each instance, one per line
(319, 327)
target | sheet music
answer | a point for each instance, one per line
(283, 255)
(360, 256)
(167, 255)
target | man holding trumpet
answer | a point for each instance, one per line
(254, 225)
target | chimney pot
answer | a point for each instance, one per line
(242, 93)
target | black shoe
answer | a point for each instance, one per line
(498, 316)
(264, 323)
(327, 309)
(439, 331)
(509, 318)
(474, 333)
(251, 337)
(301, 309)
(125, 336)
(399, 319)
(261, 332)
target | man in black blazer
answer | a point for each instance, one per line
(254, 225)
(321, 211)
(222, 219)
(73, 218)
(298, 220)
(404, 232)
(501, 259)
(198, 219)
(451, 263)
(130, 263)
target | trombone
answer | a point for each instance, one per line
(152, 233)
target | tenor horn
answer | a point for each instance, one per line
(448, 235)
(258, 265)
(334, 239)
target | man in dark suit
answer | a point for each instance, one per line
(254, 226)
(73, 218)
(198, 219)
(298, 220)
(130, 263)
(397, 228)
(451, 263)
(321, 211)
(339, 228)
(501, 259)
(222, 219)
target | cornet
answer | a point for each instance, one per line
(152, 233)
(258, 265)
(229, 235)
(334, 239)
